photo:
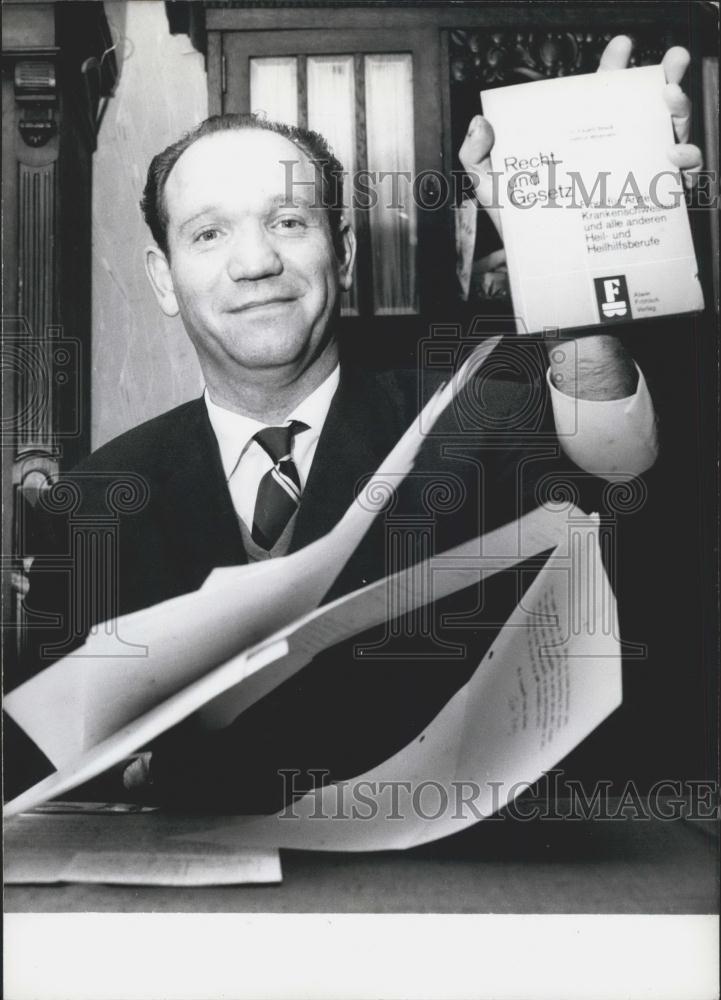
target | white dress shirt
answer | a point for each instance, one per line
(245, 462)
(612, 439)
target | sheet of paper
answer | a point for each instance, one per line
(550, 678)
(144, 848)
(462, 566)
(258, 670)
(134, 664)
(594, 220)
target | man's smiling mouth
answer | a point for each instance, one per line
(259, 304)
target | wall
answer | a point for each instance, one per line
(142, 363)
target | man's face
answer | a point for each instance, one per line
(254, 277)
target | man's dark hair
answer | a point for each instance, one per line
(311, 143)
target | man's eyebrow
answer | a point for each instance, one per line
(208, 210)
(295, 200)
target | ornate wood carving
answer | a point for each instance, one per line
(36, 301)
(58, 63)
(36, 95)
(27, 338)
(492, 58)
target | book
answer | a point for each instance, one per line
(593, 213)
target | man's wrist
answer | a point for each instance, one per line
(595, 367)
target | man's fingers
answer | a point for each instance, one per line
(477, 143)
(137, 774)
(687, 158)
(493, 261)
(616, 54)
(475, 159)
(680, 107)
(675, 63)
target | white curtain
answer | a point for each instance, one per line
(274, 88)
(331, 111)
(393, 223)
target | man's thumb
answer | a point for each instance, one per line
(477, 144)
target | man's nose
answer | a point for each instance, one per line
(252, 254)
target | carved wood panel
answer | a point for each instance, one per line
(50, 105)
(491, 58)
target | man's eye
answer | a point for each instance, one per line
(290, 222)
(206, 236)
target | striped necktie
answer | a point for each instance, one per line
(279, 490)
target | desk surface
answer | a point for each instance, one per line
(503, 866)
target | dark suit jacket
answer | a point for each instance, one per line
(156, 502)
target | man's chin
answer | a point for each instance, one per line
(271, 345)
(258, 357)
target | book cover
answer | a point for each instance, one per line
(594, 218)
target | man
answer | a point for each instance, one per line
(270, 457)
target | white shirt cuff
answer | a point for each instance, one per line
(614, 438)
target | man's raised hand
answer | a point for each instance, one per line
(475, 151)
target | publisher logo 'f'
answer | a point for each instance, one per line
(612, 295)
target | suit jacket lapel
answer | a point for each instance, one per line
(361, 428)
(196, 508)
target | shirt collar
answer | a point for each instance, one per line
(234, 431)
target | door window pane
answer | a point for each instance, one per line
(331, 111)
(390, 142)
(274, 88)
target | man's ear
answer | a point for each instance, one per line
(347, 256)
(157, 269)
